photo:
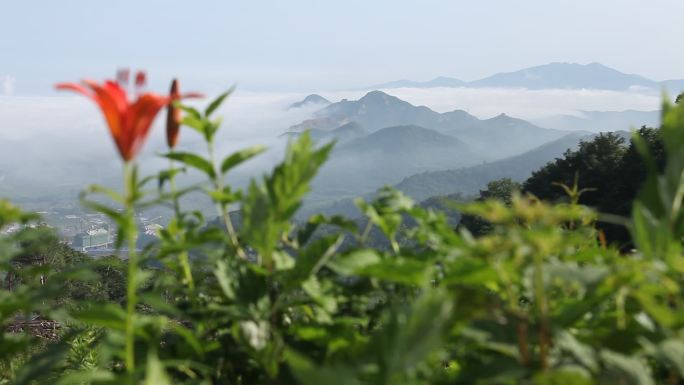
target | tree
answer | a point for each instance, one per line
(612, 171)
(501, 189)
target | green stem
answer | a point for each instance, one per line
(366, 232)
(183, 257)
(222, 208)
(621, 315)
(542, 310)
(131, 234)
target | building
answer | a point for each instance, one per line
(92, 239)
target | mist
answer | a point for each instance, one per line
(51, 147)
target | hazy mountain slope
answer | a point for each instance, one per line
(386, 157)
(341, 134)
(495, 138)
(504, 136)
(602, 121)
(464, 181)
(470, 180)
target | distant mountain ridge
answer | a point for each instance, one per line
(552, 76)
(494, 138)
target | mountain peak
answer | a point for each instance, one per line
(312, 99)
(376, 95)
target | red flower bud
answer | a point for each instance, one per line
(140, 79)
(173, 116)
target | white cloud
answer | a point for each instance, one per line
(8, 84)
(73, 127)
(65, 139)
(524, 103)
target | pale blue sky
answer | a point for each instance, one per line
(312, 45)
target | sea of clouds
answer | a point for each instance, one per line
(63, 131)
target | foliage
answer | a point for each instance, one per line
(538, 299)
(502, 190)
(608, 171)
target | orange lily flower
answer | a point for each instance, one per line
(129, 122)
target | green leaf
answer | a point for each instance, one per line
(87, 377)
(401, 270)
(241, 156)
(633, 369)
(315, 221)
(41, 364)
(104, 315)
(564, 376)
(313, 258)
(216, 103)
(226, 196)
(355, 261)
(310, 374)
(659, 312)
(157, 302)
(584, 354)
(409, 335)
(469, 271)
(155, 374)
(190, 111)
(672, 352)
(193, 160)
(268, 207)
(196, 123)
(224, 279)
(189, 338)
(113, 195)
(167, 175)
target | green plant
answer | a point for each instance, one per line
(259, 298)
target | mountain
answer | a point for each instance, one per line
(468, 180)
(674, 86)
(566, 75)
(341, 134)
(400, 141)
(555, 76)
(503, 135)
(374, 111)
(311, 100)
(440, 81)
(386, 157)
(471, 179)
(498, 137)
(602, 121)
